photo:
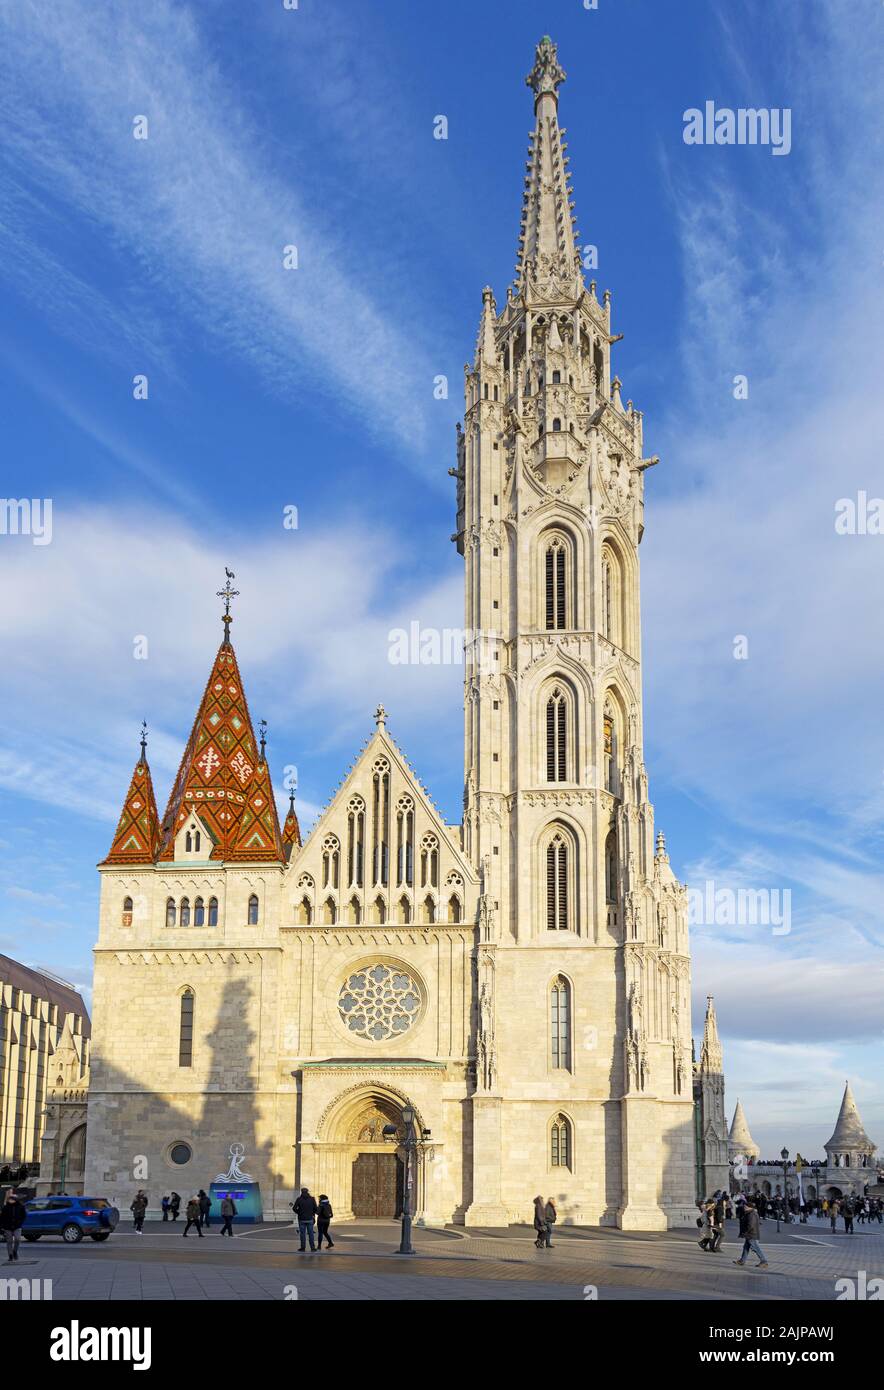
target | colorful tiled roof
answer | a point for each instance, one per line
(137, 837)
(223, 778)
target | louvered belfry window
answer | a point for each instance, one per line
(556, 737)
(555, 585)
(560, 1024)
(185, 1035)
(557, 884)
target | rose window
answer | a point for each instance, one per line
(379, 1002)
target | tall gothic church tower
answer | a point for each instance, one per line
(583, 962)
(513, 991)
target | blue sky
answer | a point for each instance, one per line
(314, 388)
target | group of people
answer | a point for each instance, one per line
(307, 1211)
(545, 1215)
(17, 1176)
(713, 1214)
(197, 1212)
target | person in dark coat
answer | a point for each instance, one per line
(165, 1206)
(540, 1222)
(750, 1237)
(12, 1217)
(138, 1208)
(324, 1215)
(175, 1205)
(847, 1213)
(228, 1212)
(193, 1217)
(305, 1208)
(205, 1202)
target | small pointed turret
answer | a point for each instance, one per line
(740, 1141)
(711, 1057)
(291, 831)
(849, 1135)
(547, 235)
(137, 837)
(485, 349)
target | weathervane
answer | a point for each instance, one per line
(227, 593)
(262, 724)
(143, 739)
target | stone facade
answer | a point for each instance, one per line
(713, 1171)
(523, 980)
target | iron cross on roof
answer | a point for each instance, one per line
(227, 593)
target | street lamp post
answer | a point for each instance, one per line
(784, 1155)
(410, 1143)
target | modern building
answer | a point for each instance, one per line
(44, 1037)
(520, 982)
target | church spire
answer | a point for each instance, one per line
(223, 777)
(291, 831)
(137, 836)
(547, 248)
(711, 1058)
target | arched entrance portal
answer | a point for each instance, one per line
(362, 1171)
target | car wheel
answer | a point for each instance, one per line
(29, 1235)
(72, 1234)
(101, 1235)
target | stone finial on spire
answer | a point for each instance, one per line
(485, 349)
(262, 725)
(547, 73)
(380, 717)
(227, 593)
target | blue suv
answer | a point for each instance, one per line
(72, 1218)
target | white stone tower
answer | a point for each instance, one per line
(584, 1079)
(850, 1153)
(714, 1169)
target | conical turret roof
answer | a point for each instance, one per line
(740, 1141)
(223, 777)
(849, 1133)
(137, 836)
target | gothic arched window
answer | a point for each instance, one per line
(404, 910)
(185, 1030)
(213, 912)
(557, 884)
(560, 1144)
(253, 910)
(556, 736)
(184, 915)
(304, 913)
(405, 841)
(560, 1024)
(355, 842)
(612, 624)
(429, 862)
(127, 912)
(611, 867)
(329, 912)
(331, 858)
(199, 913)
(381, 823)
(555, 583)
(611, 749)
(454, 909)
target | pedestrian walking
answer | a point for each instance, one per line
(540, 1222)
(717, 1225)
(750, 1237)
(205, 1202)
(175, 1205)
(847, 1213)
(552, 1217)
(12, 1217)
(192, 1212)
(833, 1215)
(138, 1208)
(324, 1216)
(228, 1212)
(165, 1206)
(305, 1209)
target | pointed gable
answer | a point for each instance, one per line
(137, 836)
(223, 777)
(291, 831)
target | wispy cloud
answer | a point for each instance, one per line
(197, 211)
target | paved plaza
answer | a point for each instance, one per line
(263, 1262)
